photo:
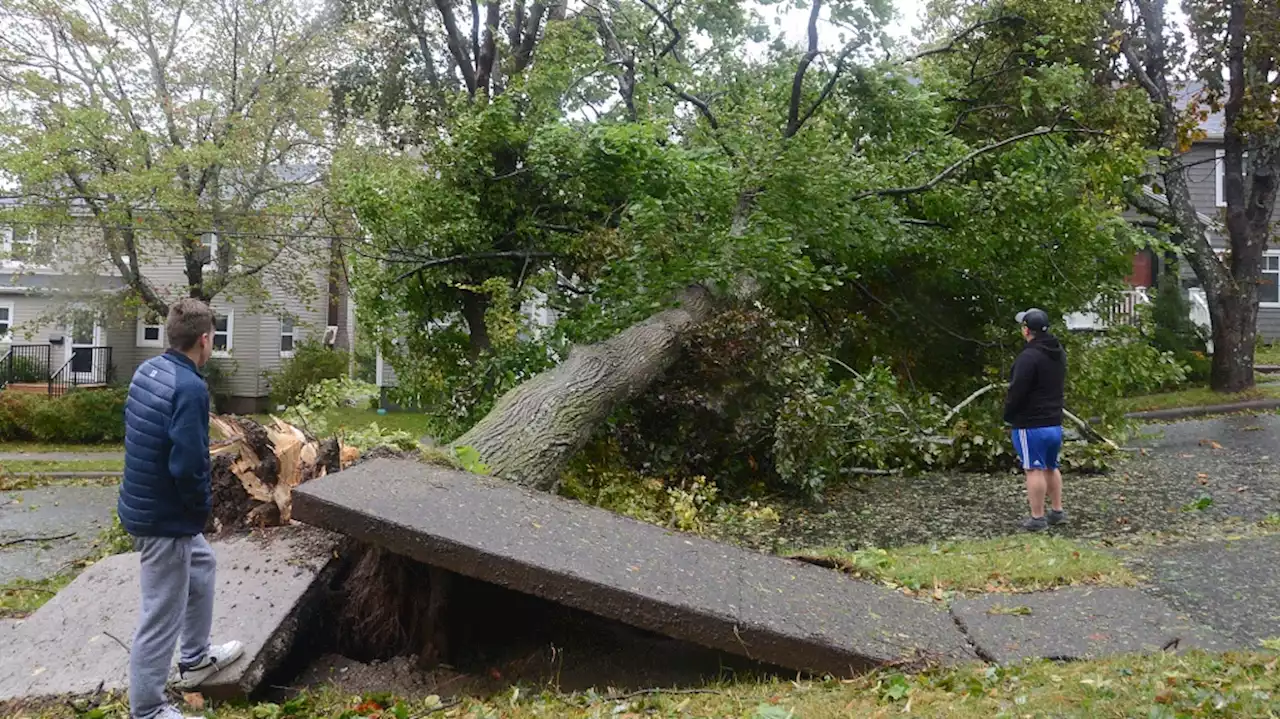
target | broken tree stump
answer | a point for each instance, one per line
(255, 469)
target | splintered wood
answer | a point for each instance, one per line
(256, 468)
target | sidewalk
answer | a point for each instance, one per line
(59, 456)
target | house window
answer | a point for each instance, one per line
(1220, 176)
(287, 338)
(6, 323)
(210, 242)
(150, 330)
(17, 243)
(223, 328)
(1269, 283)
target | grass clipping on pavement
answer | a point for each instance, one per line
(1007, 564)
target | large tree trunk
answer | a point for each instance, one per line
(1235, 323)
(536, 427)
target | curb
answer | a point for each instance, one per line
(1208, 410)
(1267, 368)
(63, 475)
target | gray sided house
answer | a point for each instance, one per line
(64, 327)
(1204, 172)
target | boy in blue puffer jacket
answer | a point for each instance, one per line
(165, 500)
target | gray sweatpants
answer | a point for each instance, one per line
(177, 602)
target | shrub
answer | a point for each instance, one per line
(312, 363)
(1172, 329)
(80, 416)
(27, 369)
(217, 375)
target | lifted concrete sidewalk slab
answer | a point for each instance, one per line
(1078, 623)
(74, 644)
(763, 607)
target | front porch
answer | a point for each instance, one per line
(54, 370)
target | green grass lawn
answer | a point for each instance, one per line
(1267, 354)
(44, 466)
(1004, 564)
(1197, 397)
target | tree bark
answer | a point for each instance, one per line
(1235, 328)
(474, 306)
(536, 427)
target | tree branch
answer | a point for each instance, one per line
(951, 43)
(453, 38)
(459, 259)
(797, 83)
(486, 62)
(524, 54)
(923, 187)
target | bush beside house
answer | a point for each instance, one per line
(311, 364)
(78, 417)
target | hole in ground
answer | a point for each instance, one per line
(499, 638)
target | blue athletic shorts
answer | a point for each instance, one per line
(1038, 448)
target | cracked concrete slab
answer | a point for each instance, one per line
(1078, 623)
(76, 643)
(760, 606)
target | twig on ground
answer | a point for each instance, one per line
(52, 538)
(116, 639)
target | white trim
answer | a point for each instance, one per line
(210, 240)
(6, 337)
(1219, 178)
(230, 333)
(1220, 175)
(70, 345)
(377, 372)
(292, 334)
(1265, 255)
(140, 339)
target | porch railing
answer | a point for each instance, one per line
(35, 364)
(1103, 314)
(27, 364)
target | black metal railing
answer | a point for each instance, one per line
(87, 366)
(35, 364)
(27, 364)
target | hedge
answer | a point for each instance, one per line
(78, 417)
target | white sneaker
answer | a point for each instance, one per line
(218, 658)
(171, 712)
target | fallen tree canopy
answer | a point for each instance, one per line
(256, 467)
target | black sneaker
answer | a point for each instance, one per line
(1056, 516)
(1035, 524)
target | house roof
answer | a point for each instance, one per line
(1213, 125)
(1204, 219)
(31, 283)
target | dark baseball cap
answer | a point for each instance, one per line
(1036, 320)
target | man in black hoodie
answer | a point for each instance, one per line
(1034, 408)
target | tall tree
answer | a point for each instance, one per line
(161, 124)
(1235, 66)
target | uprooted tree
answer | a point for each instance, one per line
(635, 168)
(816, 181)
